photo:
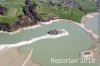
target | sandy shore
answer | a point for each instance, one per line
(88, 17)
(95, 49)
(17, 59)
(31, 27)
(19, 30)
(83, 21)
(12, 57)
(22, 43)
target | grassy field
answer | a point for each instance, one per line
(14, 8)
(9, 20)
(20, 11)
(12, 12)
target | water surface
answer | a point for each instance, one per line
(61, 48)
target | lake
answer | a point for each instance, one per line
(67, 47)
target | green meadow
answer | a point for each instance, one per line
(14, 8)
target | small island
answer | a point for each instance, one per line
(87, 54)
(57, 33)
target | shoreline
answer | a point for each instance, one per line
(18, 58)
(83, 20)
(22, 43)
(94, 51)
(89, 16)
(31, 27)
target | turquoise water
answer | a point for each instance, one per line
(61, 48)
(21, 36)
(94, 24)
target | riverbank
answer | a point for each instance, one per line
(34, 26)
(94, 51)
(22, 43)
(16, 59)
(12, 54)
(83, 21)
(8, 49)
(40, 25)
(88, 17)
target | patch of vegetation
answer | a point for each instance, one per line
(88, 5)
(20, 11)
(45, 12)
(48, 8)
(8, 20)
(14, 8)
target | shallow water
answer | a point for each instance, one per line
(63, 48)
(94, 24)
